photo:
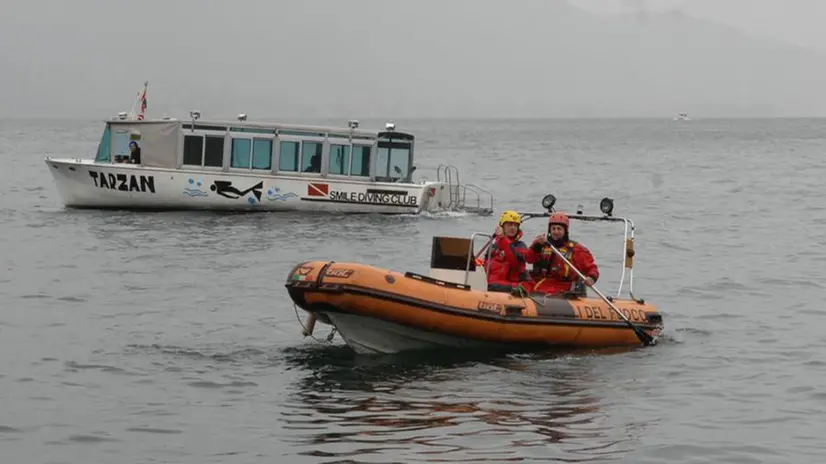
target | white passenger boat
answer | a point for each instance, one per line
(243, 165)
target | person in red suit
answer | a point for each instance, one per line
(507, 256)
(550, 274)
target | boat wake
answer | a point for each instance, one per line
(444, 214)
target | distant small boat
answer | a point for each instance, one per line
(682, 117)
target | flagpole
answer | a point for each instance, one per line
(134, 104)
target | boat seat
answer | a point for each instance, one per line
(451, 253)
(449, 259)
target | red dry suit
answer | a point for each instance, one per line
(506, 263)
(551, 275)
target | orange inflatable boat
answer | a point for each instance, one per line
(379, 311)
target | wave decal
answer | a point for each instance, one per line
(194, 189)
(274, 195)
(195, 193)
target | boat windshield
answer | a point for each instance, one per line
(120, 147)
(103, 147)
(393, 160)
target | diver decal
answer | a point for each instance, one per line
(225, 189)
(194, 188)
(274, 195)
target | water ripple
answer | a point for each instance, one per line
(169, 337)
(426, 405)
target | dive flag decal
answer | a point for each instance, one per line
(317, 190)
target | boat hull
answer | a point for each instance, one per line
(378, 311)
(371, 336)
(85, 184)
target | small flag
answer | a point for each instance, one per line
(143, 101)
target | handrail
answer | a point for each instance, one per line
(448, 169)
(452, 189)
(457, 192)
(470, 253)
(628, 239)
(478, 191)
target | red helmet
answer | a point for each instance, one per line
(559, 218)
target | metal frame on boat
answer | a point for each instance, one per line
(606, 206)
(256, 165)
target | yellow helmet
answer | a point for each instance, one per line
(510, 216)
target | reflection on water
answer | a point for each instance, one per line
(478, 407)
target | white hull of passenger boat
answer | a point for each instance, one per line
(241, 165)
(86, 184)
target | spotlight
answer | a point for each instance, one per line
(548, 201)
(607, 206)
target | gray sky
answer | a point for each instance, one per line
(428, 58)
(795, 21)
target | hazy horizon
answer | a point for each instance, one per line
(342, 120)
(462, 59)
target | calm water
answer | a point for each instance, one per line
(169, 337)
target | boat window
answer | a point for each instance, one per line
(201, 152)
(121, 145)
(214, 151)
(311, 156)
(252, 129)
(262, 154)
(361, 161)
(301, 133)
(392, 160)
(340, 159)
(193, 149)
(399, 160)
(203, 127)
(240, 153)
(257, 152)
(288, 161)
(103, 155)
(382, 162)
